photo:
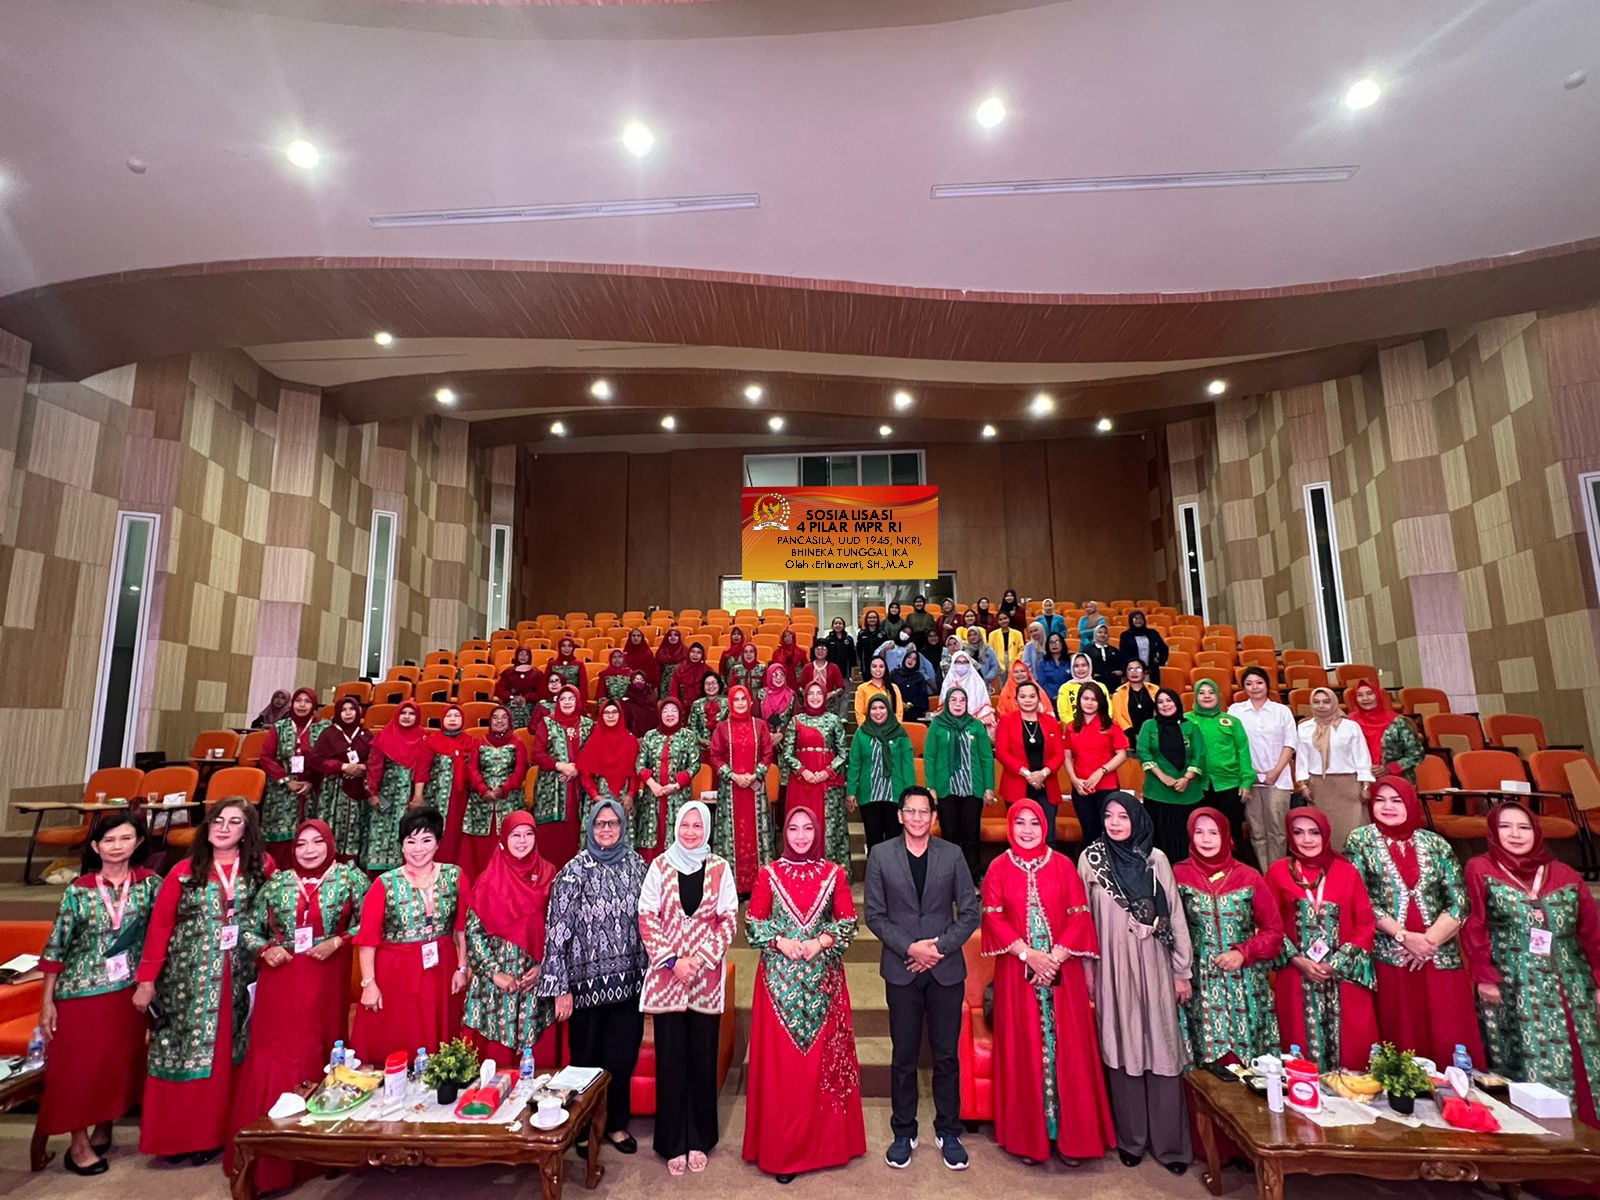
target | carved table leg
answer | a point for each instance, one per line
(1212, 1175)
(39, 1149)
(1511, 1190)
(550, 1176)
(243, 1184)
(1269, 1178)
(597, 1134)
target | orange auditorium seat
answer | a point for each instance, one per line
(224, 740)
(1348, 673)
(1301, 658)
(1257, 641)
(1456, 732)
(378, 716)
(359, 689)
(1302, 676)
(250, 748)
(1424, 702)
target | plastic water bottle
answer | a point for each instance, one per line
(1274, 1087)
(1294, 1052)
(526, 1071)
(420, 1067)
(336, 1059)
(1463, 1059)
(36, 1048)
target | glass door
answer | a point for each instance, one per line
(838, 600)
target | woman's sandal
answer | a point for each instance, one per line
(697, 1161)
(675, 1166)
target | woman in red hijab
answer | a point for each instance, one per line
(397, 770)
(639, 657)
(789, 653)
(669, 759)
(1392, 740)
(519, 685)
(1324, 993)
(448, 778)
(778, 700)
(305, 916)
(1049, 1086)
(557, 791)
(819, 670)
(340, 759)
(687, 678)
(1532, 940)
(736, 642)
(496, 771)
(616, 677)
(741, 754)
(607, 761)
(747, 671)
(639, 710)
(802, 919)
(670, 657)
(505, 947)
(569, 666)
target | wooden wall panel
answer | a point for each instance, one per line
(649, 542)
(1100, 534)
(571, 532)
(704, 524)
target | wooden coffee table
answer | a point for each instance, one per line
(17, 1090)
(1284, 1144)
(352, 1143)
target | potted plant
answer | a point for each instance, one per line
(1402, 1079)
(453, 1066)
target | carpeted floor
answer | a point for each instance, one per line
(133, 1177)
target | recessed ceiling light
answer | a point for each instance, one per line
(990, 431)
(637, 138)
(445, 396)
(302, 154)
(557, 429)
(1576, 80)
(138, 166)
(991, 112)
(903, 400)
(884, 431)
(669, 422)
(1217, 386)
(1042, 405)
(775, 424)
(1363, 93)
(1103, 424)
(600, 389)
(753, 392)
(383, 339)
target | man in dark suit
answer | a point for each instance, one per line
(922, 906)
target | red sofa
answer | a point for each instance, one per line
(19, 1002)
(977, 1039)
(642, 1099)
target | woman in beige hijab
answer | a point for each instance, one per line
(1332, 765)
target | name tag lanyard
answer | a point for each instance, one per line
(114, 911)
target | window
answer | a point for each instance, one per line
(377, 630)
(122, 643)
(1325, 573)
(1193, 565)
(499, 572)
(740, 593)
(901, 468)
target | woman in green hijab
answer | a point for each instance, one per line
(881, 768)
(958, 762)
(1228, 766)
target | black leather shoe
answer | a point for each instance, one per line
(201, 1157)
(98, 1167)
(173, 1160)
(1176, 1168)
(1129, 1160)
(784, 1178)
(626, 1146)
(101, 1148)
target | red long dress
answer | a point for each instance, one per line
(804, 1093)
(1014, 890)
(461, 749)
(811, 748)
(558, 840)
(744, 745)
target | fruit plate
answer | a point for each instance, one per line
(317, 1105)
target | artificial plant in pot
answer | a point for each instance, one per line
(452, 1067)
(1402, 1079)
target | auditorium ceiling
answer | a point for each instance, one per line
(1389, 169)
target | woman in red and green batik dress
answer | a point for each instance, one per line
(194, 978)
(291, 784)
(557, 790)
(777, 701)
(448, 779)
(802, 919)
(1237, 934)
(505, 948)
(741, 755)
(614, 680)
(746, 670)
(687, 678)
(496, 772)
(1532, 939)
(708, 711)
(815, 752)
(549, 692)
(669, 759)
(397, 767)
(670, 657)
(95, 1070)
(519, 686)
(569, 666)
(339, 759)
(607, 762)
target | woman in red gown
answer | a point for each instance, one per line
(449, 777)
(638, 656)
(789, 654)
(1324, 993)
(802, 918)
(687, 678)
(1049, 1086)
(741, 755)
(301, 935)
(607, 762)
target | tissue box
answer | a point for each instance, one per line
(1537, 1100)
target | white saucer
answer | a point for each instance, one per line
(561, 1119)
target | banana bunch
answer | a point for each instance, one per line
(1361, 1088)
(358, 1080)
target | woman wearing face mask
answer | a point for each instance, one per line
(669, 757)
(616, 678)
(869, 640)
(339, 758)
(94, 1072)
(1392, 741)
(1532, 941)
(1050, 1091)
(1414, 881)
(1324, 994)
(877, 681)
(639, 657)
(595, 961)
(815, 753)
(963, 674)
(741, 754)
(1174, 759)
(840, 648)
(606, 762)
(687, 912)
(195, 974)
(959, 767)
(1028, 750)
(1237, 934)
(902, 644)
(557, 791)
(1332, 766)
(448, 777)
(496, 771)
(519, 686)
(882, 766)
(304, 919)
(801, 920)
(748, 671)
(639, 712)
(569, 666)
(291, 785)
(505, 947)
(706, 713)
(688, 678)
(670, 657)
(412, 948)
(397, 769)
(1138, 982)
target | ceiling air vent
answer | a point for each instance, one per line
(578, 211)
(1139, 183)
